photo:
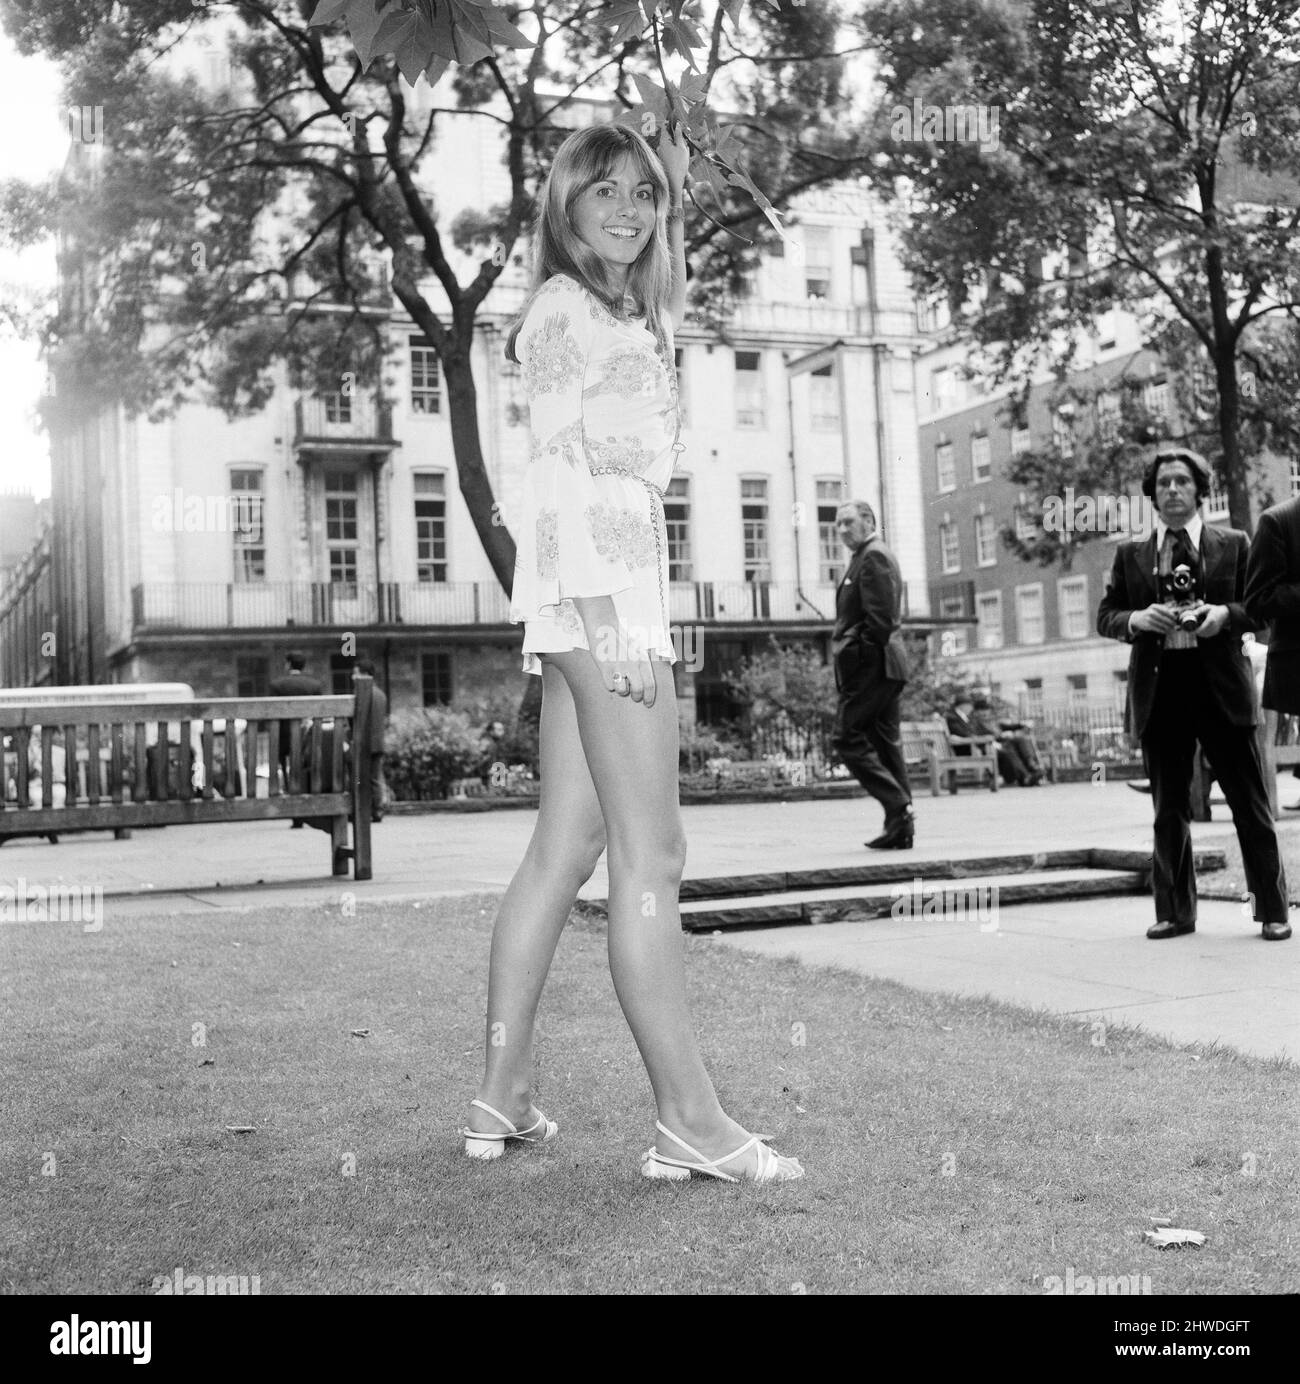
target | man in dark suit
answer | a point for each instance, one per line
(1177, 597)
(870, 671)
(1273, 596)
(974, 717)
(293, 682)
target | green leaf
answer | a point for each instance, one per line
(327, 12)
(436, 67)
(394, 29)
(363, 26)
(653, 97)
(502, 30)
(473, 39)
(414, 53)
(627, 15)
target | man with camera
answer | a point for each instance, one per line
(1177, 597)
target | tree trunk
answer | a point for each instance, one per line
(1234, 470)
(472, 473)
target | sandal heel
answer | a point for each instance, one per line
(652, 1168)
(484, 1149)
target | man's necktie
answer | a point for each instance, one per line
(1184, 553)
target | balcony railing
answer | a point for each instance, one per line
(366, 420)
(820, 318)
(269, 605)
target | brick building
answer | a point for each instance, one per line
(1030, 630)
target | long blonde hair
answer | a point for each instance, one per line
(589, 156)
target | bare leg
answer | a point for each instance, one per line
(566, 844)
(631, 751)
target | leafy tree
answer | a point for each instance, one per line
(1081, 489)
(1144, 140)
(933, 682)
(203, 216)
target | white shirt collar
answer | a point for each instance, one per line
(1193, 531)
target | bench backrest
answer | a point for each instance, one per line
(922, 739)
(104, 752)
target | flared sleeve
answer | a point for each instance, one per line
(563, 550)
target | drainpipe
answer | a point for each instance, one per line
(794, 491)
(810, 360)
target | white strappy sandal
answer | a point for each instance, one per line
(489, 1146)
(771, 1166)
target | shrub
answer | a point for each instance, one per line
(428, 750)
(698, 744)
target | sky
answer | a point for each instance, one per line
(35, 144)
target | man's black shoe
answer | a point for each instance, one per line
(891, 841)
(1169, 928)
(895, 837)
(1276, 932)
(1140, 785)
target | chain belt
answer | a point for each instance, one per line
(656, 523)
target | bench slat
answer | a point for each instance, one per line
(337, 762)
(185, 775)
(22, 748)
(140, 788)
(173, 812)
(117, 769)
(82, 713)
(94, 765)
(295, 756)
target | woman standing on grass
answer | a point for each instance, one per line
(595, 342)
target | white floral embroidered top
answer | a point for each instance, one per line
(602, 403)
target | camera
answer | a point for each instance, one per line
(1180, 589)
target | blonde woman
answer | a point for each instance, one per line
(595, 342)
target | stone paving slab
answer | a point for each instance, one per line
(1222, 983)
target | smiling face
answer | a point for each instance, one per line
(616, 216)
(1175, 489)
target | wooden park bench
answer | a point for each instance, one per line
(205, 764)
(929, 750)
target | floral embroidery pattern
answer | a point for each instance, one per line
(628, 370)
(569, 620)
(566, 443)
(626, 454)
(619, 533)
(554, 359)
(548, 543)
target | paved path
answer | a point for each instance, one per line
(1086, 958)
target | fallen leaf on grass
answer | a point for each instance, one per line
(242, 1129)
(208, 1062)
(361, 1033)
(1167, 1238)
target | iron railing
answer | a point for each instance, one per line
(247, 605)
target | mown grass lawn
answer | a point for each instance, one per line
(952, 1146)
